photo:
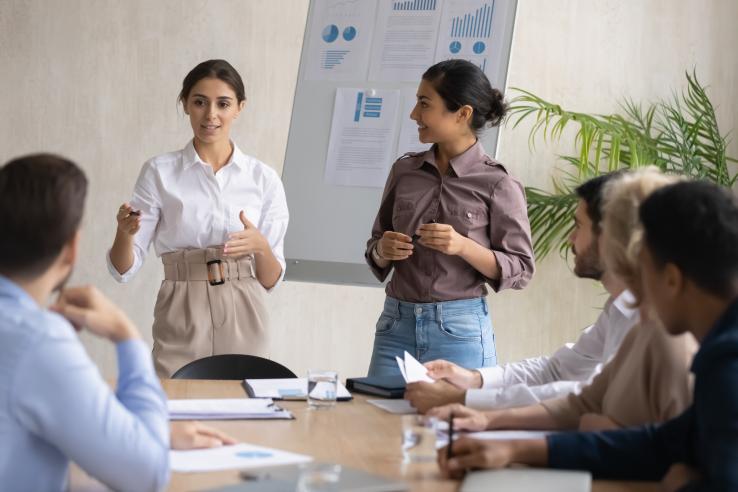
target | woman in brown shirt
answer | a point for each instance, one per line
(451, 220)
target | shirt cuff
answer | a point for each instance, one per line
(134, 357)
(482, 399)
(492, 377)
(121, 277)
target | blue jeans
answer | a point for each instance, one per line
(457, 331)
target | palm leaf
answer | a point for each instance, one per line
(679, 135)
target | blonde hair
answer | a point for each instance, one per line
(622, 232)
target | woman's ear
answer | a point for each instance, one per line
(241, 107)
(464, 113)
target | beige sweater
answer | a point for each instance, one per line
(648, 380)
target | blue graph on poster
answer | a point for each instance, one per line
(369, 107)
(349, 33)
(331, 58)
(454, 47)
(476, 24)
(478, 47)
(414, 5)
(330, 33)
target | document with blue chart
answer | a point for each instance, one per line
(466, 31)
(363, 132)
(340, 39)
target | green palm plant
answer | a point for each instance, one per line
(680, 135)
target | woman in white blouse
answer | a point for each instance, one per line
(217, 218)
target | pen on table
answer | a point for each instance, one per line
(449, 452)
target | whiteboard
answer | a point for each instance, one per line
(330, 224)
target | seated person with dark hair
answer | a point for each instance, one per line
(54, 406)
(690, 276)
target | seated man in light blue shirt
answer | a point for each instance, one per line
(54, 406)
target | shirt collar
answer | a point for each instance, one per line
(721, 338)
(190, 157)
(464, 163)
(624, 304)
(10, 289)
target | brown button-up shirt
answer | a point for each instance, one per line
(479, 200)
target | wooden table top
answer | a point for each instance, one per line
(353, 434)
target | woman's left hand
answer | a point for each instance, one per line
(246, 242)
(441, 237)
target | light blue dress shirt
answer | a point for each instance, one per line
(55, 406)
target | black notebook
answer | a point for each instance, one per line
(384, 386)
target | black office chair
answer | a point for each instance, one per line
(233, 366)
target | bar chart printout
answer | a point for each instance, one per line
(405, 40)
(466, 31)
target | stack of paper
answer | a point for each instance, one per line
(239, 456)
(226, 409)
(412, 370)
(286, 389)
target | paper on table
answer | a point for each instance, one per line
(506, 435)
(287, 389)
(510, 434)
(415, 371)
(398, 407)
(238, 456)
(227, 408)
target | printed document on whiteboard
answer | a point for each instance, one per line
(363, 131)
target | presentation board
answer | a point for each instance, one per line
(361, 63)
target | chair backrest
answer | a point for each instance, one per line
(233, 366)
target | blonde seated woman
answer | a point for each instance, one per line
(648, 379)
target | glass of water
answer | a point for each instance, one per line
(419, 438)
(319, 477)
(322, 387)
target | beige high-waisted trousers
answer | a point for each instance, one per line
(194, 319)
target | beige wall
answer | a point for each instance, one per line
(97, 80)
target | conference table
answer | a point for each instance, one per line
(353, 434)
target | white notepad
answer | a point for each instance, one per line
(226, 409)
(286, 389)
(239, 456)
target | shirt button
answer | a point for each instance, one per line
(468, 215)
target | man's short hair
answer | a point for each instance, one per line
(592, 192)
(694, 225)
(42, 197)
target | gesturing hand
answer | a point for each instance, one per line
(246, 242)
(129, 220)
(441, 237)
(394, 246)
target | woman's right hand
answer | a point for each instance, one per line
(395, 246)
(129, 220)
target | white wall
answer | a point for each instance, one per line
(97, 80)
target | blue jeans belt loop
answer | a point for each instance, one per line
(439, 312)
(484, 306)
